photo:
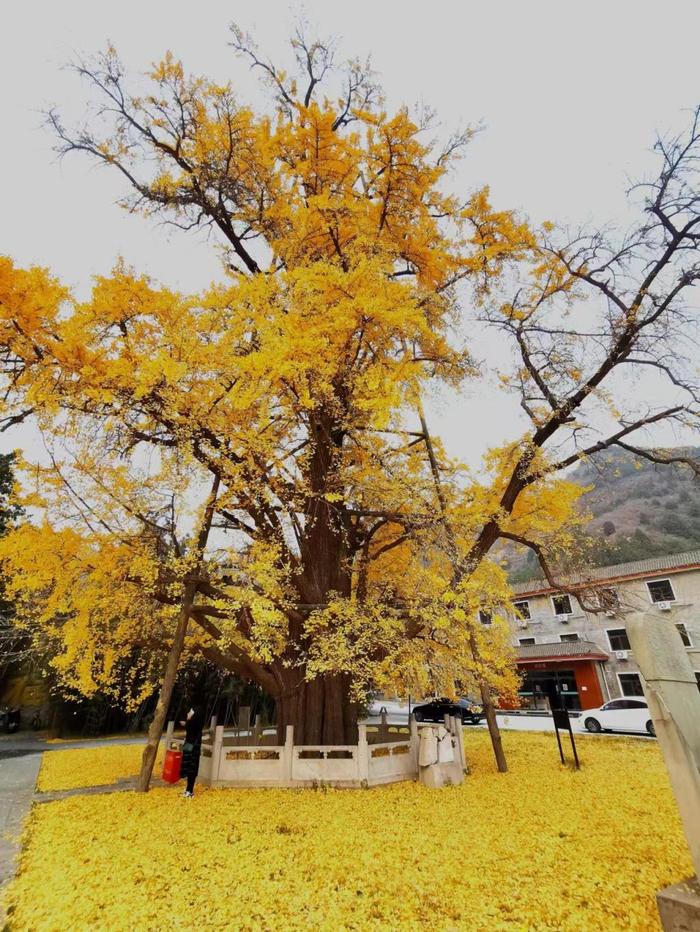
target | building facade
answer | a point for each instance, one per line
(586, 656)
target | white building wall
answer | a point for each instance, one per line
(633, 595)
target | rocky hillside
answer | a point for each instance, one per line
(638, 510)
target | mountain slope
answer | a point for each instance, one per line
(639, 509)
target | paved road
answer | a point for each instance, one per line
(18, 775)
(516, 723)
(26, 742)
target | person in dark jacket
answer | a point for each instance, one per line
(192, 748)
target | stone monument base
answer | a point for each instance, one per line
(679, 906)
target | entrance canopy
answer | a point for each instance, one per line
(568, 668)
(559, 651)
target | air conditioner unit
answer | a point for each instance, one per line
(564, 619)
(610, 614)
(622, 654)
(522, 623)
(663, 606)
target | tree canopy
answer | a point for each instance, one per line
(346, 551)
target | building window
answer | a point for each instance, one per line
(630, 684)
(661, 590)
(485, 617)
(568, 638)
(524, 641)
(697, 677)
(684, 635)
(523, 609)
(561, 605)
(618, 640)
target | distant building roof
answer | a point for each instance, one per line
(673, 563)
(560, 650)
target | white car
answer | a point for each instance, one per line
(630, 714)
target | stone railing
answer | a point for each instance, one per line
(383, 754)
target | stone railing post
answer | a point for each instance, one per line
(383, 728)
(672, 693)
(455, 729)
(362, 754)
(288, 754)
(460, 742)
(169, 732)
(415, 742)
(216, 752)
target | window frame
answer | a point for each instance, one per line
(570, 638)
(685, 635)
(562, 595)
(626, 703)
(485, 614)
(639, 679)
(526, 642)
(610, 643)
(661, 579)
(519, 617)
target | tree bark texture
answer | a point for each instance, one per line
(320, 710)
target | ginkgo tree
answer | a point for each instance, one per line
(344, 550)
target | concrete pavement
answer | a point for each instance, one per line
(18, 775)
(28, 742)
(519, 722)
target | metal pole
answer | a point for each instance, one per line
(561, 752)
(573, 747)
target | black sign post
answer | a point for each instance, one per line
(562, 720)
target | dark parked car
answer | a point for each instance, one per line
(9, 719)
(436, 709)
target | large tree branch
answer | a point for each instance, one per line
(578, 590)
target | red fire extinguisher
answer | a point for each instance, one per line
(171, 766)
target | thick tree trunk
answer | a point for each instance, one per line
(320, 710)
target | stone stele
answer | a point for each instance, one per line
(674, 706)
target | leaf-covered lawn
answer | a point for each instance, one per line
(539, 848)
(98, 766)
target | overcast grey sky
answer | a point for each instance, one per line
(570, 95)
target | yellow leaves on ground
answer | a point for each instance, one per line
(540, 848)
(97, 766)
